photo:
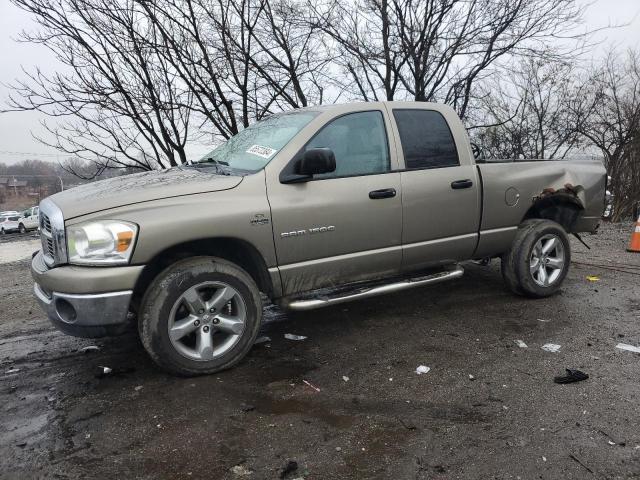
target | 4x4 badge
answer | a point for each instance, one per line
(259, 219)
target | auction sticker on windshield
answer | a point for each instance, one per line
(264, 152)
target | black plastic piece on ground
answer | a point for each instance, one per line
(290, 467)
(571, 377)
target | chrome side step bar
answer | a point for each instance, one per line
(324, 301)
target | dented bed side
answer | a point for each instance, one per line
(512, 189)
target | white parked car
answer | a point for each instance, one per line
(29, 220)
(9, 223)
(7, 213)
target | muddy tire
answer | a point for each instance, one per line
(539, 259)
(200, 316)
(22, 228)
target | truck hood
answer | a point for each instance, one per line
(141, 187)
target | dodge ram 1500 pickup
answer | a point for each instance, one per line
(308, 208)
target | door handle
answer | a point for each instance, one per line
(458, 184)
(384, 193)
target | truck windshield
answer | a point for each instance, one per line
(255, 146)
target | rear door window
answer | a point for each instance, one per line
(426, 139)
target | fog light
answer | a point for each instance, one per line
(65, 311)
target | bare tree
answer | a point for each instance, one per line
(437, 50)
(527, 111)
(116, 101)
(613, 126)
(141, 79)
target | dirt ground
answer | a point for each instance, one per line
(486, 409)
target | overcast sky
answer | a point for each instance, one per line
(17, 143)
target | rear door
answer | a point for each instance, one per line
(346, 225)
(440, 186)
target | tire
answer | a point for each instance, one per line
(22, 228)
(539, 259)
(2, 232)
(189, 298)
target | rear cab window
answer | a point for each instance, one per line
(427, 141)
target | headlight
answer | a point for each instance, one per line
(106, 242)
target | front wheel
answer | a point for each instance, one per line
(22, 228)
(200, 316)
(539, 259)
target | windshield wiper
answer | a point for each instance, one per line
(219, 164)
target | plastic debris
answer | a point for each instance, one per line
(90, 348)
(241, 471)
(345, 378)
(263, 339)
(291, 336)
(520, 343)
(311, 385)
(471, 377)
(572, 376)
(544, 320)
(289, 468)
(13, 370)
(628, 348)
(550, 347)
(138, 388)
(422, 369)
(593, 278)
(106, 371)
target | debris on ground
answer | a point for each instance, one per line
(247, 407)
(107, 371)
(572, 376)
(550, 347)
(291, 336)
(593, 278)
(520, 343)
(311, 385)
(240, 471)
(103, 372)
(345, 378)
(90, 348)
(289, 468)
(422, 369)
(628, 348)
(13, 370)
(263, 339)
(471, 377)
(138, 388)
(544, 320)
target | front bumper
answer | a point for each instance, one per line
(87, 310)
(94, 301)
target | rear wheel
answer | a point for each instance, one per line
(22, 228)
(539, 259)
(200, 316)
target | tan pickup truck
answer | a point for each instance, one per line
(309, 208)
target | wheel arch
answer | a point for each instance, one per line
(562, 207)
(235, 250)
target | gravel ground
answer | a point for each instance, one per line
(486, 409)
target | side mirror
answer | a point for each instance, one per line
(316, 161)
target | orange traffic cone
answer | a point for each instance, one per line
(634, 245)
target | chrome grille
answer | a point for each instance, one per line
(45, 223)
(52, 237)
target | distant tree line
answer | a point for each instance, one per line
(140, 79)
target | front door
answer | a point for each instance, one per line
(343, 226)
